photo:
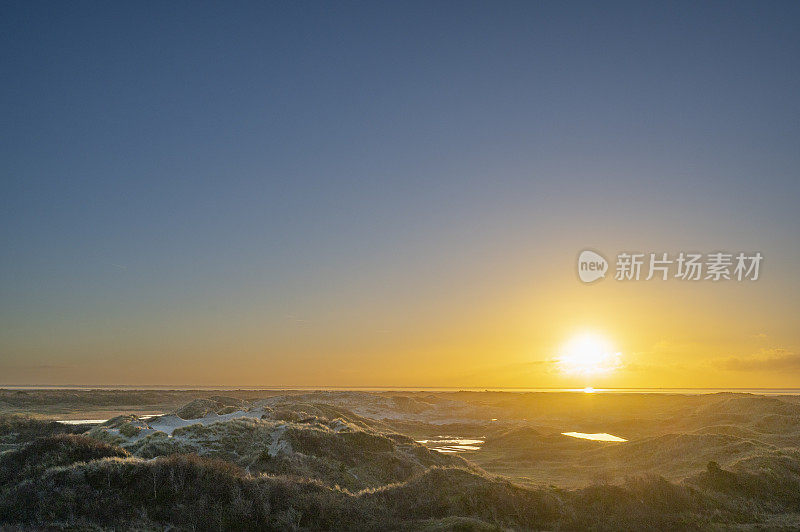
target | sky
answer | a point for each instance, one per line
(395, 193)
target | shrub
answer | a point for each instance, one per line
(18, 428)
(61, 450)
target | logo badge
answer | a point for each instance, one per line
(591, 266)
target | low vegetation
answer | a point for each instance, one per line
(317, 466)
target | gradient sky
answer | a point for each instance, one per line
(394, 193)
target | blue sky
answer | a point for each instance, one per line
(196, 174)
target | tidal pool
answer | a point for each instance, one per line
(600, 436)
(452, 444)
(143, 417)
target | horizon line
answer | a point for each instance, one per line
(200, 387)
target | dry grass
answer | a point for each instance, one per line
(338, 470)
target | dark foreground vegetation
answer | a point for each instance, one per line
(316, 467)
(81, 482)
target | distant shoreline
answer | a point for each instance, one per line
(84, 387)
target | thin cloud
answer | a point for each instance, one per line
(34, 367)
(766, 360)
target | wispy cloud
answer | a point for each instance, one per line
(765, 360)
(34, 367)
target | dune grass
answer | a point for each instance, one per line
(312, 466)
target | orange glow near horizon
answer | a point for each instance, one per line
(551, 333)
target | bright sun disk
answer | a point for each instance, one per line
(588, 354)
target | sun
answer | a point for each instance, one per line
(588, 354)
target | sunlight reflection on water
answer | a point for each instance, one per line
(601, 436)
(452, 445)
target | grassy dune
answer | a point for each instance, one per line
(305, 461)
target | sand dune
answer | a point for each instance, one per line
(343, 459)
